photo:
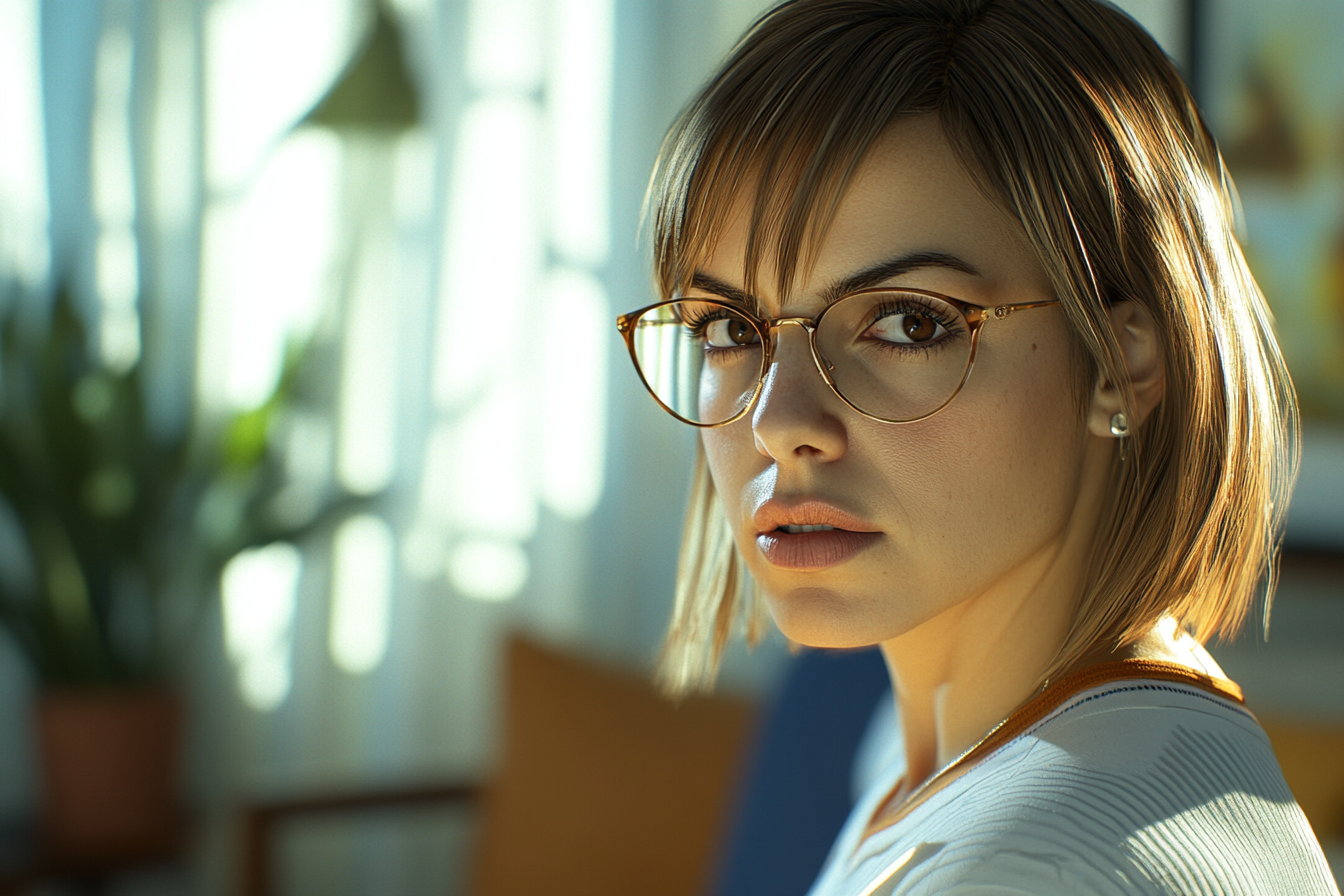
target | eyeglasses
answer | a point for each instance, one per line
(893, 355)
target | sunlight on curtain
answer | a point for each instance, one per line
(326, 232)
(362, 593)
(306, 438)
(577, 312)
(579, 112)
(368, 400)
(478, 478)
(388, 204)
(175, 145)
(270, 233)
(520, 364)
(268, 254)
(24, 254)
(260, 589)
(267, 62)
(573, 407)
(116, 254)
(268, 238)
(488, 568)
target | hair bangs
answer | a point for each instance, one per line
(778, 136)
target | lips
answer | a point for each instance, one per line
(810, 535)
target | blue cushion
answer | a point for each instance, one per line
(797, 791)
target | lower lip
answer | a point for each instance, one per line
(813, 550)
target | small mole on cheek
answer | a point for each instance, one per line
(1033, 346)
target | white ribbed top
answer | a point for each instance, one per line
(1136, 786)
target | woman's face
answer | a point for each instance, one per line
(978, 498)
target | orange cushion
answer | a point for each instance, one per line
(605, 786)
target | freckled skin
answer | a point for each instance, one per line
(980, 493)
(987, 509)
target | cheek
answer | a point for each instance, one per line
(993, 475)
(730, 452)
(1021, 481)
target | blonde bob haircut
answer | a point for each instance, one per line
(1072, 119)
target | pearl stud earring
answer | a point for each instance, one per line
(1120, 425)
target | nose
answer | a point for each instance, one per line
(797, 414)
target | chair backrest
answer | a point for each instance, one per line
(605, 786)
(1312, 757)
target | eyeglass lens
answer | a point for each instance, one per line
(894, 355)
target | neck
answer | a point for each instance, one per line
(959, 674)
(963, 671)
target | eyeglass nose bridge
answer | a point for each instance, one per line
(808, 326)
(773, 326)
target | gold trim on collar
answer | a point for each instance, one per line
(900, 803)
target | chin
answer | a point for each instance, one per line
(821, 617)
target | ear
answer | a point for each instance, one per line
(1142, 353)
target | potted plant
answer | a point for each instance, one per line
(112, 537)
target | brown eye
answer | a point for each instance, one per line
(918, 328)
(907, 328)
(730, 332)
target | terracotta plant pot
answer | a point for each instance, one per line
(109, 765)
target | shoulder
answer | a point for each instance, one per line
(1131, 787)
(1133, 729)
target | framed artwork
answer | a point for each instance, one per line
(1272, 79)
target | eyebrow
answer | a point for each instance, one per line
(894, 267)
(723, 290)
(838, 289)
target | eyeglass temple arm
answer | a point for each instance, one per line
(981, 313)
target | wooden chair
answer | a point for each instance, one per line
(1312, 757)
(603, 787)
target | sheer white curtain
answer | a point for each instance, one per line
(457, 281)
(530, 482)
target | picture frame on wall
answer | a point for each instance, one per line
(1270, 79)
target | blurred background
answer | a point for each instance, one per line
(310, 398)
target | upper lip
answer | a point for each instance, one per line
(806, 512)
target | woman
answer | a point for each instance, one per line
(981, 376)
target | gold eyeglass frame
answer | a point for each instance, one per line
(767, 328)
